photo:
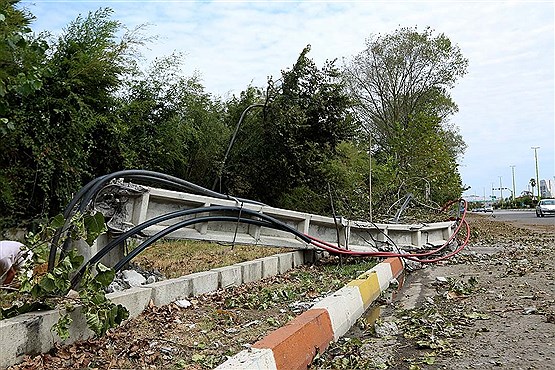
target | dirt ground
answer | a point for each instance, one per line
(492, 307)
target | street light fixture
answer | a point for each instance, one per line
(537, 170)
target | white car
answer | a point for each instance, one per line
(488, 209)
(545, 207)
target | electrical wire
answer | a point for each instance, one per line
(84, 197)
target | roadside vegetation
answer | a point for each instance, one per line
(204, 331)
(81, 104)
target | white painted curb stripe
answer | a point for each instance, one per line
(383, 270)
(344, 307)
(253, 358)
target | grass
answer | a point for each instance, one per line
(174, 258)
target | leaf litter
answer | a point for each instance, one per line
(491, 307)
(202, 332)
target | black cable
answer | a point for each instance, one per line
(67, 213)
(272, 222)
(89, 191)
(180, 225)
(138, 229)
(237, 226)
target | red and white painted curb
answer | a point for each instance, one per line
(295, 345)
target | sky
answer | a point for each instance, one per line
(506, 100)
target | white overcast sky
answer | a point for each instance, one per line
(506, 101)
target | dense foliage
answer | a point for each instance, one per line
(304, 119)
(79, 105)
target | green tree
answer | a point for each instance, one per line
(21, 57)
(347, 173)
(21, 69)
(399, 73)
(243, 161)
(400, 85)
(305, 119)
(48, 154)
(533, 184)
(168, 123)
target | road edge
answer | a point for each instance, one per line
(294, 345)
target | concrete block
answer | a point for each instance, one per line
(134, 299)
(31, 333)
(26, 334)
(285, 262)
(369, 288)
(309, 256)
(203, 282)
(270, 266)
(295, 344)
(167, 291)
(344, 307)
(229, 276)
(251, 270)
(298, 258)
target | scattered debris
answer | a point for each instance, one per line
(183, 303)
(489, 307)
(476, 314)
(385, 328)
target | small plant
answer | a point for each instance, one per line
(462, 288)
(51, 289)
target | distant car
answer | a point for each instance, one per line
(545, 207)
(484, 209)
(488, 209)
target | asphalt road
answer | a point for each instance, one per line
(525, 217)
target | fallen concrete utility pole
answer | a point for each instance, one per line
(128, 205)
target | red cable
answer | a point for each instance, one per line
(332, 248)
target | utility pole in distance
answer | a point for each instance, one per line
(501, 188)
(537, 170)
(514, 187)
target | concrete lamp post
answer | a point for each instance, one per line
(514, 187)
(537, 170)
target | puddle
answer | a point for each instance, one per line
(372, 314)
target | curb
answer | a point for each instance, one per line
(294, 345)
(31, 333)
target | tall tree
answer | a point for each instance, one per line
(400, 83)
(21, 57)
(21, 69)
(170, 124)
(400, 73)
(56, 127)
(307, 118)
(245, 121)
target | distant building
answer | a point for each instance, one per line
(547, 188)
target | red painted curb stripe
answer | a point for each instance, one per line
(396, 266)
(295, 345)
